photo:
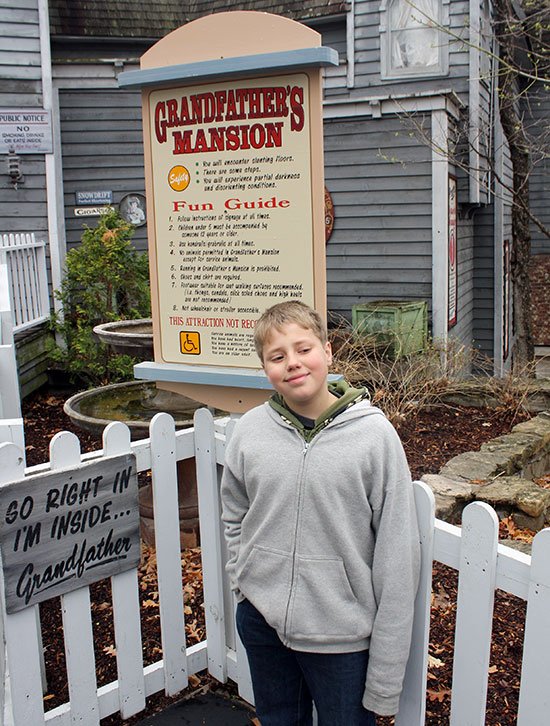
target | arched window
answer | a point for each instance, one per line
(412, 42)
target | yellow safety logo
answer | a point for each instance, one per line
(190, 342)
(178, 178)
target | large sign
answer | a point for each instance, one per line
(67, 528)
(233, 150)
(233, 211)
(26, 131)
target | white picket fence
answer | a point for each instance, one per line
(472, 549)
(25, 257)
(11, 423)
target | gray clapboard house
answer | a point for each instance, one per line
(409, 223)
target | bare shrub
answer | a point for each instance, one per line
(402, 385)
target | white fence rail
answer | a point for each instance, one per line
(28, 279)
(11, 425)
(472, 549)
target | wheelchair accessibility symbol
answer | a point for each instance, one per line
(190, 343)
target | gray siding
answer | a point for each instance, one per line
(381, 243)
(102, 148)
(367, 54)
(484, 290)
(19, 53)
(484, 263)
(24, 209)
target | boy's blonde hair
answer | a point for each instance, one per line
(290, 311)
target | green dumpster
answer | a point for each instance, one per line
(398, 326)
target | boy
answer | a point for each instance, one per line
(322, 537)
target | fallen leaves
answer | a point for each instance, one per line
(434, 662)
(507, 530)
(543, 482)
(438, 695)
(440, 599)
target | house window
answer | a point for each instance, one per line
(412, 43)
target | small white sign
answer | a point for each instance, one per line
(90, 211)
(25, 131)
(96, 197)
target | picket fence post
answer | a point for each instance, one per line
(244, 680)
(474, 614)
(211, 549)
(10, 404)
(168, 551)
(21, 629)
(76, 612)
(534, 694)
(126, 615)
(412, 703)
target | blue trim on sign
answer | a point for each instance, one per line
(208, 375)
(245, 65)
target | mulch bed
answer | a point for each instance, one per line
(430, 440)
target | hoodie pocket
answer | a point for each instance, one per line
(324, 605)
(265, 581)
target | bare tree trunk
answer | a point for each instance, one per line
(512, 125)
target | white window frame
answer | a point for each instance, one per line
(387, 72)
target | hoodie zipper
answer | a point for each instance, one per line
(305, 449)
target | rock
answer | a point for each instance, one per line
(537, 468)
(515, 493)
(449, 487)
(472, 466)
(533, 500)
(448, 509)
(522, 521)
(515, 450)
(539, 424)
(500, 493)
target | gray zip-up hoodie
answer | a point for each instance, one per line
(323, 538)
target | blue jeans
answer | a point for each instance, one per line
(286, 682)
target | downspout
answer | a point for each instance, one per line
(54, 183)
(350, 45)
(474, 90)
(498, 266)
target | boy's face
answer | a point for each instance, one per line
(296, 364)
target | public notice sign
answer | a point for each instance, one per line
(25, 130)
(67, 528)
(231, 166)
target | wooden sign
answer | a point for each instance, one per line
(65, 529)
(233, 146)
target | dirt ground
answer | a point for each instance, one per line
(430, 440)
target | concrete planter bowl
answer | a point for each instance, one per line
(133, 337)
(134, 403)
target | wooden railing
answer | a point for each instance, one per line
(473, 550)
(25, 258)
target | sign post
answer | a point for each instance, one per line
(235, 194)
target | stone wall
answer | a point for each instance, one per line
(502, 474)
